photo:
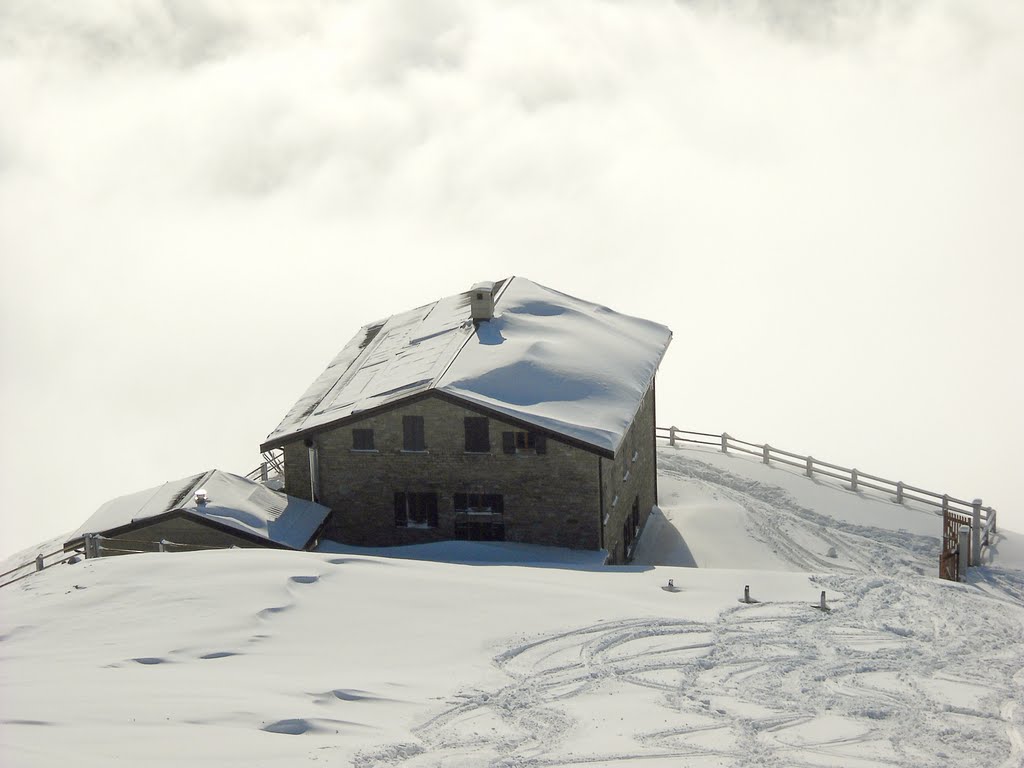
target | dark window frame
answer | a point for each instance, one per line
(524, 442)
(416, 509)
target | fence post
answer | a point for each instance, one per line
(899, 492)
(39, 562)
(976, 532)
(725, 442)
(810, 466)
(992, 514)
(672, 436)
(964, 546)
(765, 453)
(162, 545)
(90, 546)
(264, 474)
(853, 479)
(945, 503)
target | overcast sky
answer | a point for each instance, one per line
(200, 203)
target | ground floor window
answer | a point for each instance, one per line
(415, 510)
(480, 516)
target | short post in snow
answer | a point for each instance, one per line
(992, 516)
(672, 436)
(899, 492)
(264, 473)
(853, 479)
(964, 548)
(90, 545)
(810, 466)
(162, 545)
(39, 562)
(725, 442)
(976, 532)
(766, 452)
(822, 605)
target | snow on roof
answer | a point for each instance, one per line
(232, 501)
(548, 359)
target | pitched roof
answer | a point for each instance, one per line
(233, 502)
(561, 364)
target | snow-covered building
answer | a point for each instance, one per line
(209, 510)
(510, 411)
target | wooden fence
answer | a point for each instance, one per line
(983, 519)
(41, 562)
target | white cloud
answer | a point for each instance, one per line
(200, 202)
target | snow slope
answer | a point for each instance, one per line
(267, 658)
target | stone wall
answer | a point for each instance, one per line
(550, 498)
(631, 477)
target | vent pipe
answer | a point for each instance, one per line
(481, 302)
(314, 470)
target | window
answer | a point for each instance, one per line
(412, 434)
(362, 439)
(479, 516)
(415, 510)
(478, 437)
(523, 442)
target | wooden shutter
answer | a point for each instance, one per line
(477, 434)
(508, 442)
(413, 434)
(540, 443)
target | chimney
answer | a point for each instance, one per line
(481, 301)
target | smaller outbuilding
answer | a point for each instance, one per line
(210, 510)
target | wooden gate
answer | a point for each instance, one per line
(949, 559)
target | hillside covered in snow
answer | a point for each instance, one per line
(505, 655)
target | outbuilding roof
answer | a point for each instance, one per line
(231, 502)
(561, 364)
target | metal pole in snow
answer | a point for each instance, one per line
(822, 604)
(965, 545)
(976, 532)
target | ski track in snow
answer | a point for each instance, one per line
(749, 688)
(889, 677)
(795, 533)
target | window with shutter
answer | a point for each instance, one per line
(413, 438)
(362, 439)
(478, 439)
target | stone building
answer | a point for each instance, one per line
(508, 412)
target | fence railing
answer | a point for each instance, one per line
(272, 464)
(983, 519)
(41, 562)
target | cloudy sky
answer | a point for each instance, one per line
(201, 202)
